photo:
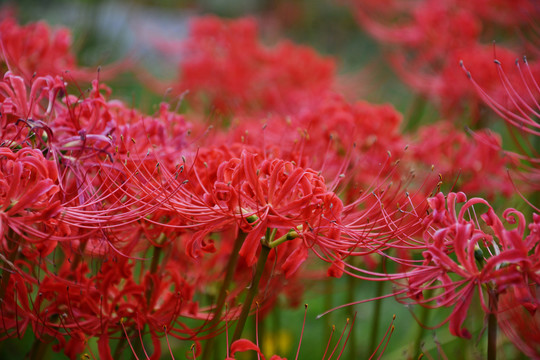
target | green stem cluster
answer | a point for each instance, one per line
(223, 291)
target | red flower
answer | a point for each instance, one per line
(428, 39)
(261, 194)
(224, 62)
(476, 260)
(30, 205)
(517, 103)
(465, 160)
(35, 49)
(521, 326)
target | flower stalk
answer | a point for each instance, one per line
(253, 289)
(222, 296)
(492, 325)
(39, 349)
(375, 319)
(292, 234)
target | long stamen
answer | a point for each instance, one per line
(388, 333)
(169, 345)
(387, 341)
(89, 350)
(127, 338)
(339, 340)
(302, 332)
(71, 310)
(140, 337)
(329, 341)
(347, 338)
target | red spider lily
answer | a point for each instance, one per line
(361, 131)
(455, 156)
(79, 303)
(349, 143)
(246, 190)
(221, 192)
(224, 62)
(30, 202)
(17, 101)
(271, 194)
(428, 24)
(431, 37)
(123, 221)
(455, 264)
(83, 201)
(22, 106)
(56, 126)
(35, 49)
(81, 135)
(521, 326)
(520, 108)
(445, 85)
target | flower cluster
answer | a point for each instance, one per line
(116, 223)
(121, 228)
(225, 67)
(429, 39)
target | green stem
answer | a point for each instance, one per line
(416, 350)
(262, 329)
(254, 288)
(138, 345)
(375, 319)
(351, 282)
(328, 304)
(120, 347)
(39, 349)
(292, 234)
(231, 268)
(492, 326)
(155, 259)
(222, 296)
(276, 325)
(153, 270)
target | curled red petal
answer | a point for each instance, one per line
(245, 345)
